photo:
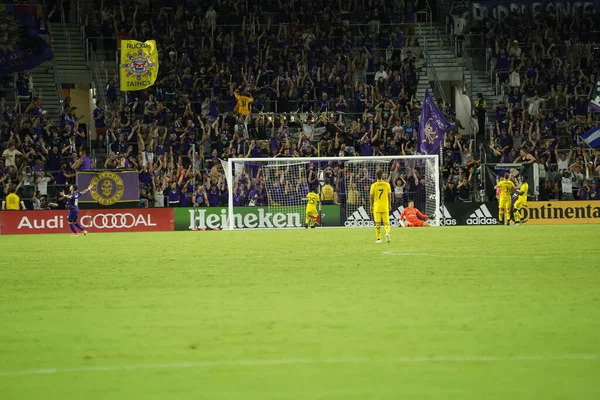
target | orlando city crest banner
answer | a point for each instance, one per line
(432, 127)
(109, 187)
(21, 47)
(139, 64)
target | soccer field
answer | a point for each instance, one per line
(442, 313)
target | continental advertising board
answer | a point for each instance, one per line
(562, 212)
(536, 213)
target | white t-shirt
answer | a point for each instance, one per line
(563, 165)
(567, 185)
(9, 157)
(380, 74)
(147, 158)
(514, 80)
(159, 199)
(42, 185)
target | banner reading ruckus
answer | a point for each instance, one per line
(109, 188)
(139, 64)
(432, 127)
(21, 47)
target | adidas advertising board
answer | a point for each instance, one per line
(361, 218)
(482, 216)
(469, 214)
(445, 216)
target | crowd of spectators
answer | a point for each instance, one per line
(323, 81)
(544, 65)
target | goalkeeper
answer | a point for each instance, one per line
(312, 215)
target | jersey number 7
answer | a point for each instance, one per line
(380, 193)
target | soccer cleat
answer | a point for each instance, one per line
(85, 233)
(523, 221)
(388, 238)
(517, 224)
(75, 234)
(378, 241)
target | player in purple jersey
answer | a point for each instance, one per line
(73, 208)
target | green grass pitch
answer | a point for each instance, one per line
(441, 313)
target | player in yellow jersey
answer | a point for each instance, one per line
(507, 187)
(381, 203)
(243, 103)
(520, 203)
(312, 215)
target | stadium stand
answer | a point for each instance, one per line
(325, 81)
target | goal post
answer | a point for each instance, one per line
(271, 192)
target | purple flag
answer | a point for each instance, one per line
(109, 187)
(432, 127)
(21, 46)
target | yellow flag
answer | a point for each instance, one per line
(139, 64)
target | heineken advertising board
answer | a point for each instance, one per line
(250, 217)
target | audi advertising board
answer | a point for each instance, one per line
(106, 220)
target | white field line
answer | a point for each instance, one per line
(300, 361)
(467, 255)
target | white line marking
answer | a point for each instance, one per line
(297, 361)
(463, 255)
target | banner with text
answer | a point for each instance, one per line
(114, 220)
(250, 217)
(536, 213)
(139, 64)
(500, 10)
(109, 187)
(562, 212)
(21, 47)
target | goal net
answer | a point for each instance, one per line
(272, 192)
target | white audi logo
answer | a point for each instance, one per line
(109, 221)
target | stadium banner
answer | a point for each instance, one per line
(494, 172)
(250, 217)
(109, 188)
(562, 212)
(459, 213)
(501, 10)
(21, 47)
(536, 213)
(595, 96)
(114, 220)
(139, 64)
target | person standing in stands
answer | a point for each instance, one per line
(13, 201)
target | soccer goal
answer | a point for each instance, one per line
(271, 192)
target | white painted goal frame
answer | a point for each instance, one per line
(431, 165)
